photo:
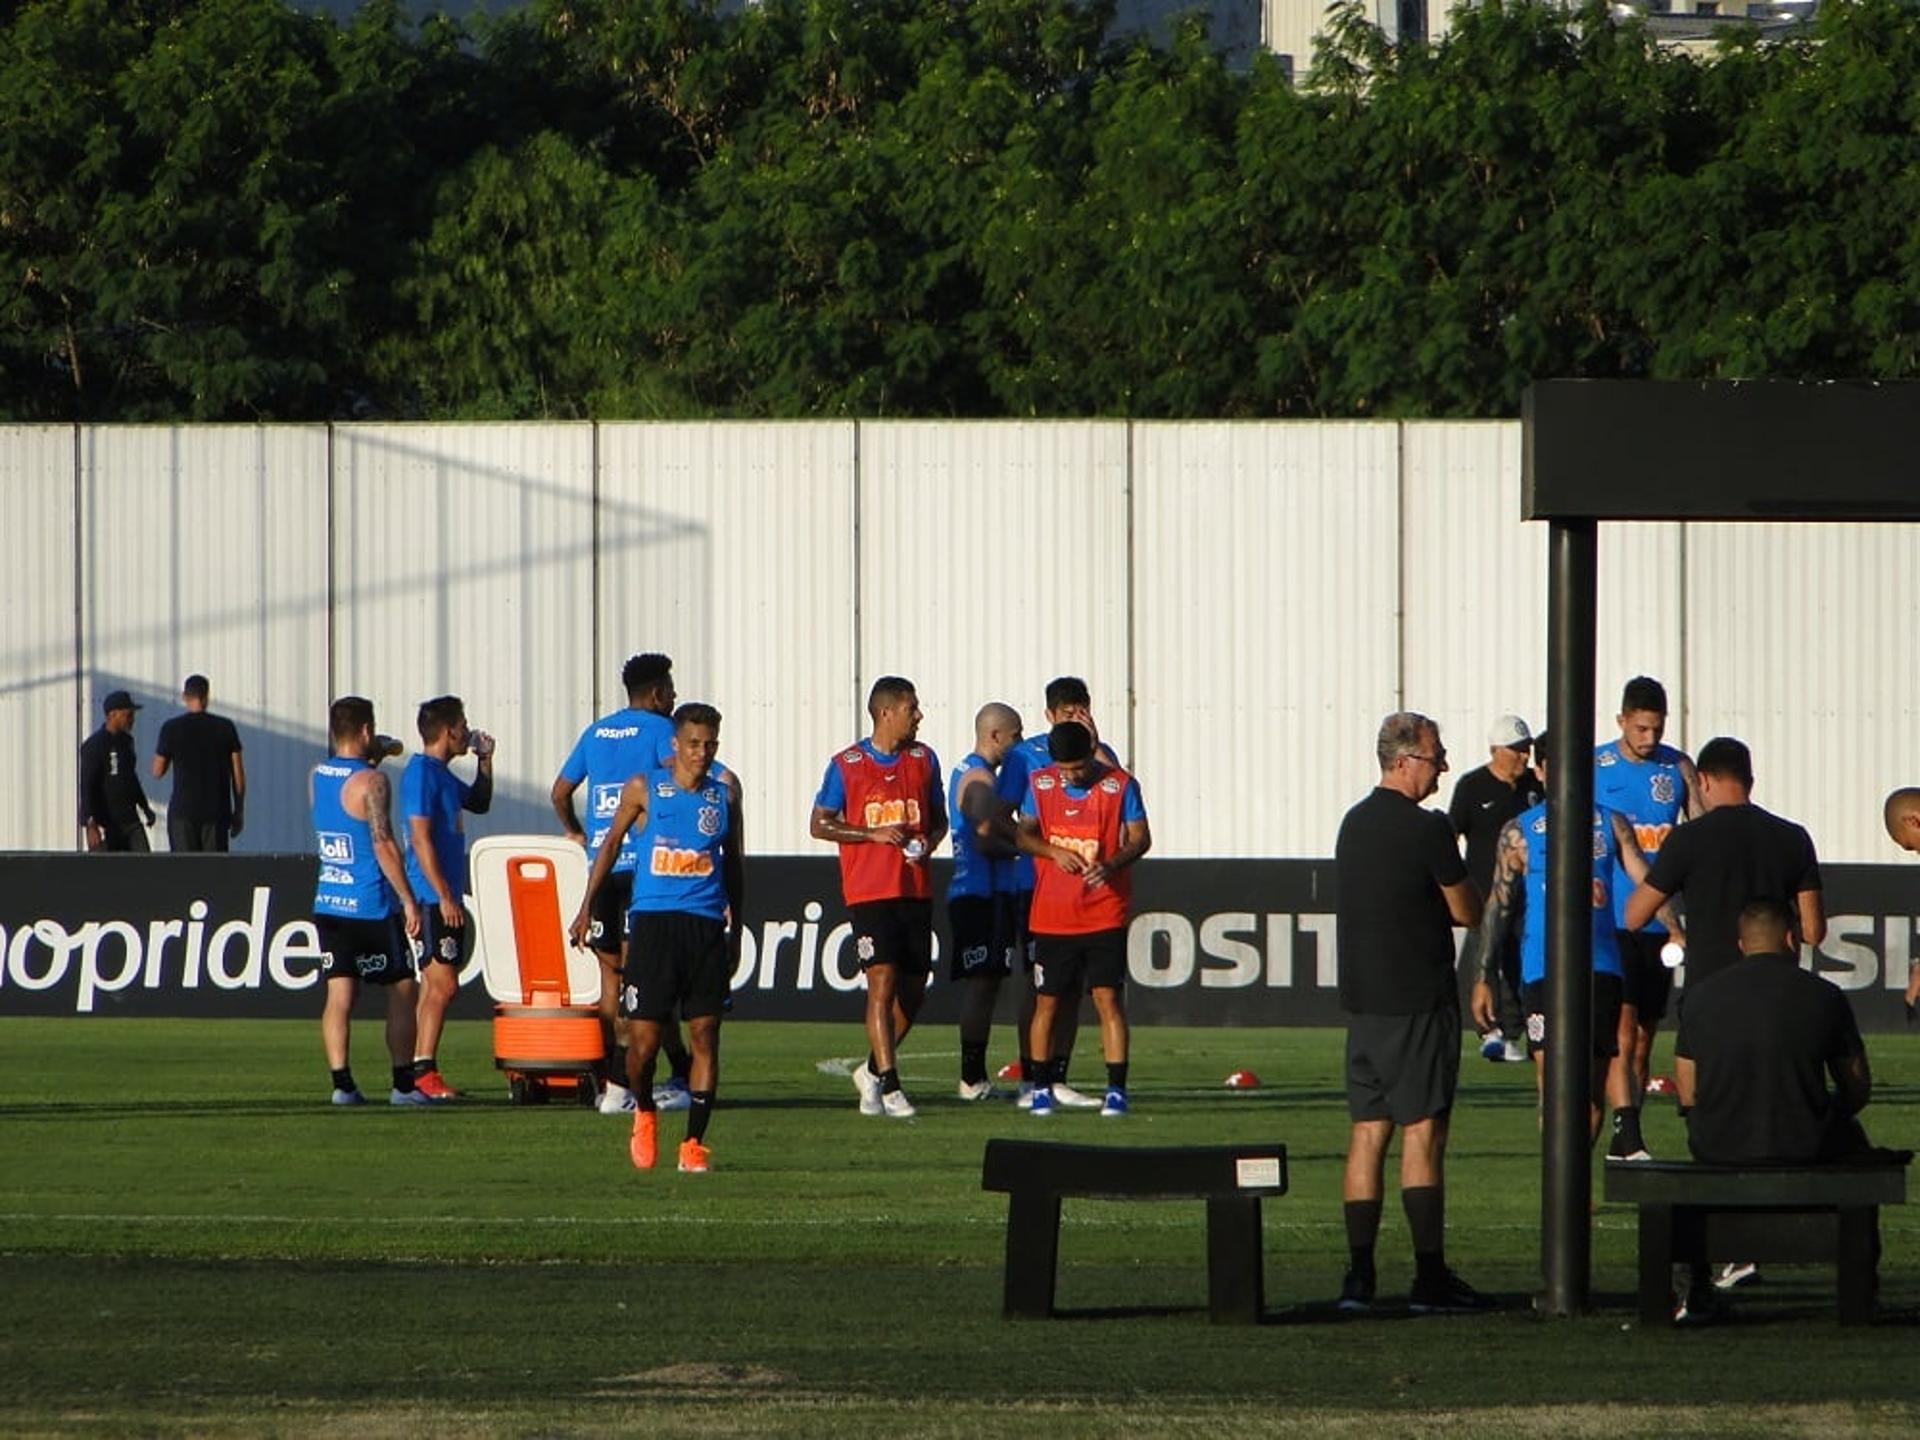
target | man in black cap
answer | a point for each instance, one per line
(209, 777)
(113, 808)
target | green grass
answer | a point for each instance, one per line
(191, 1242)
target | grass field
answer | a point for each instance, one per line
(191, 1241)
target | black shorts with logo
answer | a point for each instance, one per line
(675, 960)
(441, 943)
(1070, 964)
(1606, 1014)
(376, 951)
(1645, 982)
(982, 935)
(1403, 1068)
(894, 932)
(607, 919)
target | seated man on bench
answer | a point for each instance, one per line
(1758, 1043)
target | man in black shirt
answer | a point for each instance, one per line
(1758, 1042)
(1734, 853)
(1483, 802)
(209, 778)
(113, 808)
(1402, 889)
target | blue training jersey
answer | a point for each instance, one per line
(1014, 874)
(351, 884)
(680, 848)
(1533, 919)
(1652, 794)
(610, 752)
(973, 868)
(429, 787)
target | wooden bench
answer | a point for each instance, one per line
(1692, 1213)
(1035, 1175)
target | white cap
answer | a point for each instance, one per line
(1509, 730)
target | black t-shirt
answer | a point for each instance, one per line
(1760, 1034)
(200, 746)
(110, 792)
(1482, 804)
(1395, 931)
(1717, 863)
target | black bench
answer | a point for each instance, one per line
(1692, 1213)
(1232, 1179)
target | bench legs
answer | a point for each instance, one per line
(1033, 1251)
(1656, 1264)
(1236, 1292)
(1857, 1257)
(1236, 1283)
(1677, 1233)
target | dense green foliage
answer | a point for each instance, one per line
(230, 209)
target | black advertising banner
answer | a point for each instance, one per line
(1228, 942)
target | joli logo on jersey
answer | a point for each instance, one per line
(335, 848)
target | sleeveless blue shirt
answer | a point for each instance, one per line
(973, 869)
(679, 848)
(351, 884)
(1533, 920)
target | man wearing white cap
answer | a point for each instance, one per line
(1483, 802)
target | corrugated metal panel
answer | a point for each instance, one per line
(463, 564)
(1641, 574)
(201, 555)
(1800, 642)
(40, 703)
(1265, 629)
(730, 547)
(1476, 616)
(994, 558)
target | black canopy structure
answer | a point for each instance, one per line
(1661, 450)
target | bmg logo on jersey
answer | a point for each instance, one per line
(335, 848)
(891, 812)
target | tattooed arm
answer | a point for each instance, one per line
(1509, 866)
(376, 794)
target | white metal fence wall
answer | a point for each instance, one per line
(1246, 601)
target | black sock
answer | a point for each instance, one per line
(973, 1062)
(699, 1113)
(617, 1067)
(1363, 1227)
(1426, 1207)
(1029, 1068)
(1626, 1131)
(343, 1079)
(643, 1099)
(1116, 1075)
(889, 1081)
(1060, 1063)
(873, 1065)
(403, 1078)
(425, 1065)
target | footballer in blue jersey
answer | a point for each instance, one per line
(432, 800)
(979, 911)
(1519, 895)
(609, 753)
(688, 905)
(1655, 787)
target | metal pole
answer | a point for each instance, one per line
(1566, 1237)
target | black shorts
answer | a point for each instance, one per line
(982, 937)
(1019, 908)
(1645, 981)
(894, 932)
(439, 942)
(1403, 1068)
(376, 951)
(1606, 1014)
(1069, 964)
(674, 960)
(607, 920)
